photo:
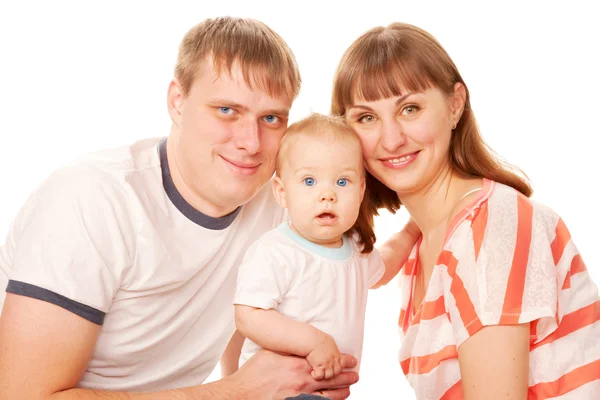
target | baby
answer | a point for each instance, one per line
(302, 287)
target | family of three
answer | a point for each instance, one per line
(130, 273)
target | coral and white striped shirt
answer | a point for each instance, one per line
(505, 260)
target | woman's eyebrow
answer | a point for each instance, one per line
(398, 101)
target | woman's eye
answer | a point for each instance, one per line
(410, 110)
(342, 182)
(226, 110)
(309, 181)
(366, 119)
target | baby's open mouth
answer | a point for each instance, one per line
(327, 216)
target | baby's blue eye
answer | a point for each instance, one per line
(225, 110)
(342, 182)
(309, 181)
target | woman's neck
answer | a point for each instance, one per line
(433, 206)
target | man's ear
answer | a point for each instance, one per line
(175, 101)
(279, 191)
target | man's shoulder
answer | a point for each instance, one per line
(102, 177)
(122, 161)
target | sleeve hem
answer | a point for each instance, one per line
(377, 278)
(35, 292)
(477, 324)
(255, 302)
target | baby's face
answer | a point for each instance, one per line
(324, 185)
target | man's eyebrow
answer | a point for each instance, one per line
(282, 111)
(227, 103)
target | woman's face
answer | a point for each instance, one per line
(405, 139)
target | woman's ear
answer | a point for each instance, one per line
(279, 192)
(457, 101)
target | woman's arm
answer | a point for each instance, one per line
(494, 363)
(396, 250)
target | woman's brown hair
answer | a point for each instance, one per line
(387, 60)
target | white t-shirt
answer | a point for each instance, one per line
(325, 287)
(110, 239)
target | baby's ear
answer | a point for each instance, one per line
(279, 191)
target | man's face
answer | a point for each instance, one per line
(227, 136)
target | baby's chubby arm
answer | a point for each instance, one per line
(274, 331)
(396, 250)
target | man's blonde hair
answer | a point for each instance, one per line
(329, 128)
(266, 61)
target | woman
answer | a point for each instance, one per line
(497, 302)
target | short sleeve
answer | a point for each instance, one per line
(376, 267)
(263, 277)
(501, 269)
(70, 242)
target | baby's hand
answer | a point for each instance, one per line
(325, 359)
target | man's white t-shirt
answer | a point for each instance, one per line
(110, 239)
(325, 287)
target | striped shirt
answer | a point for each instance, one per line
(505, 260)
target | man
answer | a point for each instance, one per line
(120, 268)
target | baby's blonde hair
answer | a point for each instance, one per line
(329, 128)
(317, 126)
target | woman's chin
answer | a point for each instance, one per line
(402, 186)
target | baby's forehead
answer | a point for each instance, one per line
(330, 157)
(323, 139)
(309, 146)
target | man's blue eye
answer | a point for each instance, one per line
(225, 110)
(309, 181)
(271, 118)
(342, 182)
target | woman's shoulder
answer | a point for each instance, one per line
(505, 199)
(505, 218)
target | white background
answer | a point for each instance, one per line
(80, 76)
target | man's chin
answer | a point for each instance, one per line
(242, 195)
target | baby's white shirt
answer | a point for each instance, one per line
(325, 287)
